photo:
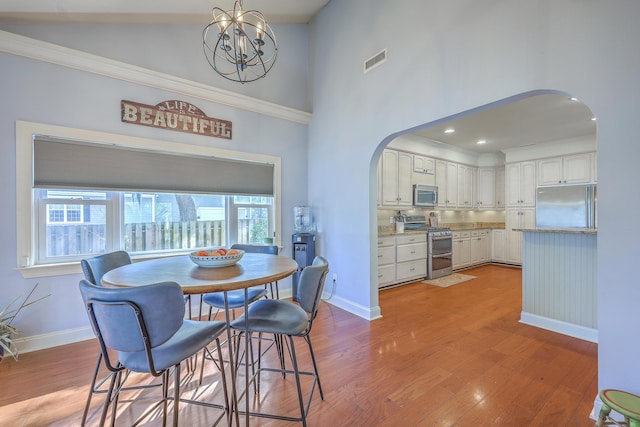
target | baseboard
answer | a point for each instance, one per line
(576, 331)
(357, 309)
(42, 341)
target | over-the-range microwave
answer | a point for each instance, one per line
(425, 196)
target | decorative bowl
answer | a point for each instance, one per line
(216, 261)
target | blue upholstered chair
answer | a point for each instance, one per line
(146, 327)
(236, 298)
(93, 269)
(285, 318)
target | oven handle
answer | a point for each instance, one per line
(442, 238)
(448, 254)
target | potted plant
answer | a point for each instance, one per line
(8, 332)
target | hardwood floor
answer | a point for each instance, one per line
(452, 356)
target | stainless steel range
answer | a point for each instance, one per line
(439, 246)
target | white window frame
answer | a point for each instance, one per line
(25, 200)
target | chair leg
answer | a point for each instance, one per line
(91, 391)
(294, 362)
(315, 367)
(107, 401)
(176, 395)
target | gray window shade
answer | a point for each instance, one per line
(94, 166)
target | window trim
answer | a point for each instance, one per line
(26, 224)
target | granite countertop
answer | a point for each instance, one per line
(390, 230)
(559, 230)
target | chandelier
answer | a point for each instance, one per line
(239, 44)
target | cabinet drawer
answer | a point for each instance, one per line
(411, 238)
(386, 255)
(411, 252)
(457, 235)
(386, 274)
(411, 270)
(386, 241)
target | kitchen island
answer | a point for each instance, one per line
(559, 267)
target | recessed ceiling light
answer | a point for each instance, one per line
(450, 130)
(573, 99)
(482, 141)
(593, 119)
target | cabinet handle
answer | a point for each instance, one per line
(379, 256)
(411, 269)
(379, 276)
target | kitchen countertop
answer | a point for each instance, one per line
(559, 230)
(390, 230)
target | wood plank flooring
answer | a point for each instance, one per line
(452, 356)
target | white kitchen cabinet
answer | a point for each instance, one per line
(386, 260)
(479, 247)
(461, 249)
(424, 171)
(572, 169)
(396, 172)
(447, 182)
(411, 257)
(425, 165)
(498, 251)
(517, 218)
(499, 186)
(520, 183)
(486, 188)
(466, 186)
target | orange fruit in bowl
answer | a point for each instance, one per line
(202, 253)
(214, 253)
(232, 252)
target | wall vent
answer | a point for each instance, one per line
(377, 59)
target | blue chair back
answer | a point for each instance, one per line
(123, 317)
(261, 249)
(94, 268)
(311, 284)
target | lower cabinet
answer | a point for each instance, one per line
(461, 249)
(498, 250)
(386, 260)
(411, 257)
(471, 247)
(401, 258)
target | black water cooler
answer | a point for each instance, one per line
(304, 251)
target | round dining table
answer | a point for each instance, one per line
(253, 269)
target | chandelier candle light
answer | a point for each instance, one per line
(239, 44)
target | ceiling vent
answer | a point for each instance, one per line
(377, 59)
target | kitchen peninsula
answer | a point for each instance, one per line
(559, 280)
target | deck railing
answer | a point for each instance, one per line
(79, 239)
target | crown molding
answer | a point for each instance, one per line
(78, 60)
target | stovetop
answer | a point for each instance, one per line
(420, 223)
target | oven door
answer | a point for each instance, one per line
(441, 245)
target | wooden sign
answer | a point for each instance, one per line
(175, 115)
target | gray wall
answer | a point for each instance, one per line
(449, 57)
(41, 92)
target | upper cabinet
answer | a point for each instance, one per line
(447, 182)
(500, 194)
(572, 169)
(486, 188)
(425, 165)
(520, 184)
(466, 186)
(395, 178)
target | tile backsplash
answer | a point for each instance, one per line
(445, 216)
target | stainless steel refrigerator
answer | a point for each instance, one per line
(567, 206)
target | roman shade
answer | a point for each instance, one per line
(65, 164)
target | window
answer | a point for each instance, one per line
(78, 223)
(80, 208)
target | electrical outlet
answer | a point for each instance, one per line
(335, 278)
